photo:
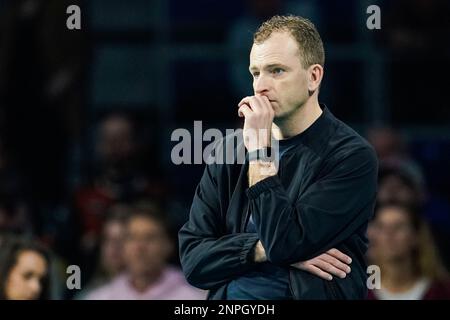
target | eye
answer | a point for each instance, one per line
(277, 71)
(28, 275)
(255, 74)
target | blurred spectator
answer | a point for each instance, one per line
(147, 275)
(111, 261)
(402, 246)
(24, 270)
(397, 184)
(118, 174)
(111, 250)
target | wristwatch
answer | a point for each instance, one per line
(265, 154)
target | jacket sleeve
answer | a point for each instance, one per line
(209, 257)
(327, 213)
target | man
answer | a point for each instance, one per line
(266, 231)
(147, 275)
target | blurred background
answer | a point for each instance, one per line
(86, 118)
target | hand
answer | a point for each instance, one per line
(333, 262)
(260, 253)
(258, 113)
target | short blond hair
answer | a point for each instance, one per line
(302, 30)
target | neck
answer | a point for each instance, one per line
(399, 275)
(297, 122)
(142, 282)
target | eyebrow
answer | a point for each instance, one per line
(269, 66)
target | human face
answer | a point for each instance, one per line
(278, 73)
(392, 236)
(26, 277)
(112, 247)
(115, 143)
(392, 188)
(147, 247)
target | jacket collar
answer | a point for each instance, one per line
(317, 132)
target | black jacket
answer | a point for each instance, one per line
(322, 197)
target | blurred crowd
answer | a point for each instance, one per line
(93, 187)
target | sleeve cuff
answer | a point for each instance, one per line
(254, 191)
(248, 249)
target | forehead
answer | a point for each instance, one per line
(392, 215)
(279, 48)
(143, 224)
(28, 258)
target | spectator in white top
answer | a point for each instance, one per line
(147, 275)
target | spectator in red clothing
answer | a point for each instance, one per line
(117, 175)
(402, 246)
(115, 152)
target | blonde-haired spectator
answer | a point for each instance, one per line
(402, 246)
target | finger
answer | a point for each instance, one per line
(316, 271)
(339, 255)
(253, 103)
(328, 267)
(335, 262)
(245, 100)
(244, 110)
(256, 105)
(264, 103)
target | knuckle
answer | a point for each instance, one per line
(340, 266)
(335, 261)
(308, 262)
(332, 269)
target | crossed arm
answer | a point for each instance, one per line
(326, 265)
(209, 258)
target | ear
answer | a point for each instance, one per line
(315, 75)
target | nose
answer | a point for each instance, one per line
(261, 84)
